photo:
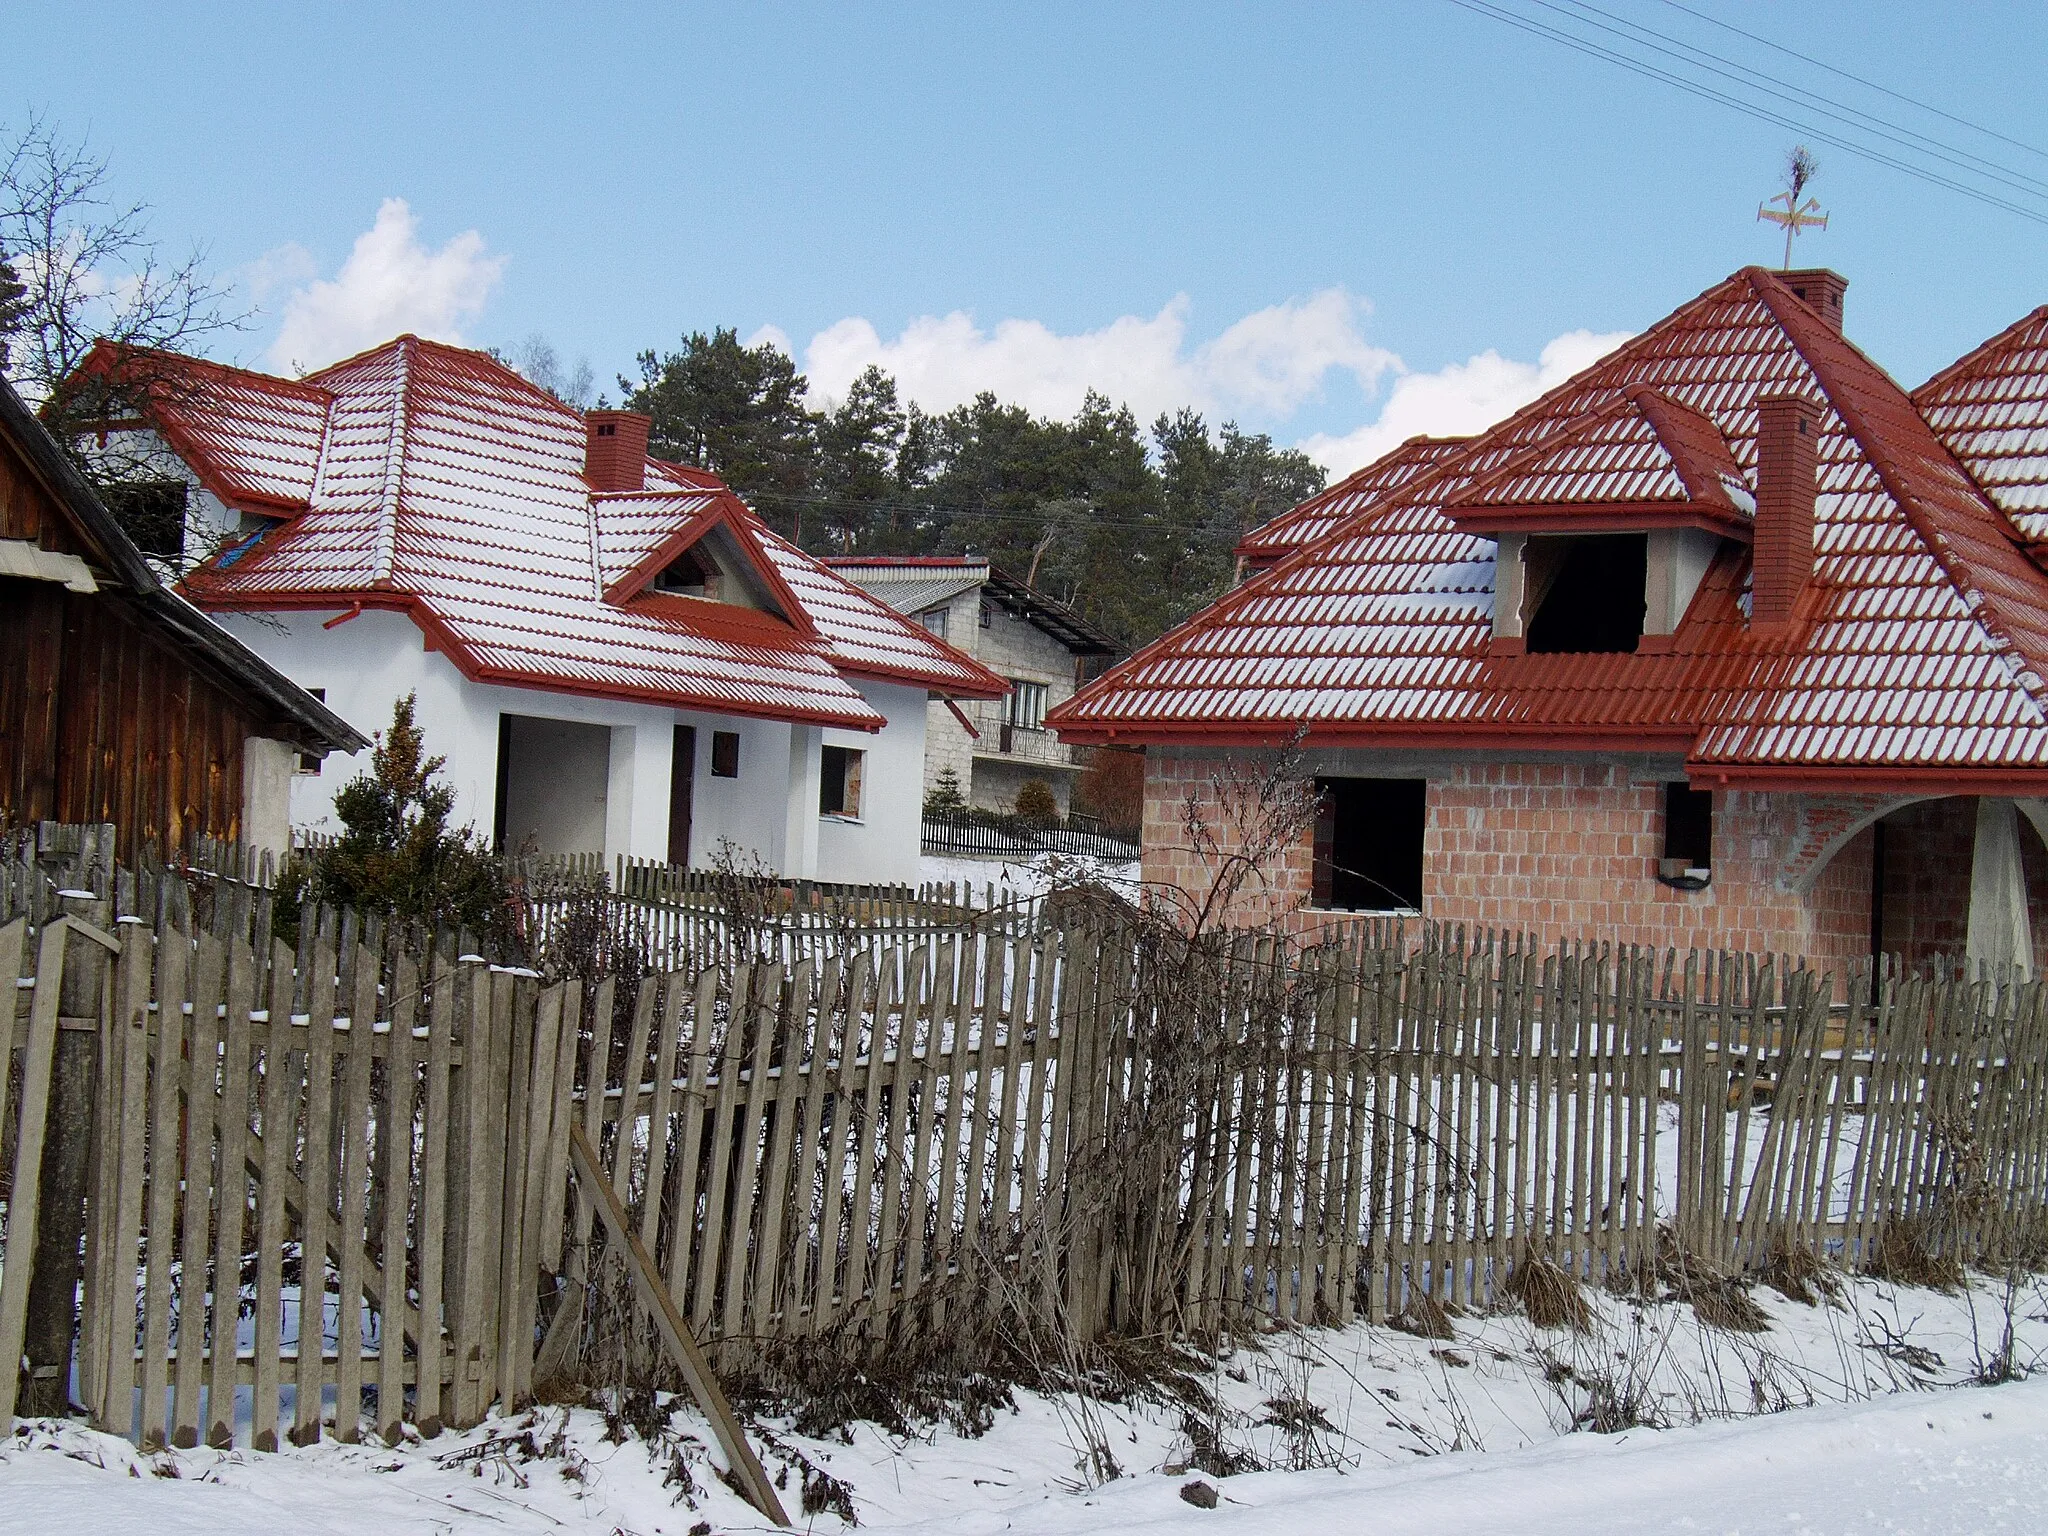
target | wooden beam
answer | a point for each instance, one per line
(675, 1333)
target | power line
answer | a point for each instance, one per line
(1906, 138)
(1882, 90)
(953, 510)
(1764, 114)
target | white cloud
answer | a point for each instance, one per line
(1269, 362)
(391, 283)
(1460, 398)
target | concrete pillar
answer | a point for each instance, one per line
(267, 769)
(799, 852)
(1998, 932)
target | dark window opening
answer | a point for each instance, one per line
(690, 576)
(988, 613)
(839, 781)
(682, 792)
(934, 621)
(1587, 593)
(1368, 849)
(725, 754)
(1688, 828)
(152, 513)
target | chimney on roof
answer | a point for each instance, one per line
(1781, 554)
(615, 450)
(1821, 291)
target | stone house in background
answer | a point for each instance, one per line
(613, 654)
(1728, 641)
(1040, 646)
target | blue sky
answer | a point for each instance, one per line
(1386, 191)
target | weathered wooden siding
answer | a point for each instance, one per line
(99, 720)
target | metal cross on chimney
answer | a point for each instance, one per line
(1785, 210)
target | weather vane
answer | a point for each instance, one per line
(1786, 210)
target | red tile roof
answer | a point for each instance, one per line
(1991, 408)
(431, 479)
(1320, 513)
(1918, 655)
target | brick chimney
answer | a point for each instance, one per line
(1821, 291)
(615, 450)
(1788, 437)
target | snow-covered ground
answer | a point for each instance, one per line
(1026, 877)
(1836, 1419)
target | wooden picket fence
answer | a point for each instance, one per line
(855, 1143)
(310, 1175)
(1072, 1118)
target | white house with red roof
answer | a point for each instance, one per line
(613, 653)
(1727, 641)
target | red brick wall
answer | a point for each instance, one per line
(1569, 850)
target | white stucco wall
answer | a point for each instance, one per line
(769, 813)
(887, 841)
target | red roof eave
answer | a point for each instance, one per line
(1678, 739)
(1600, 517)
(1869, 778)
(441, 638)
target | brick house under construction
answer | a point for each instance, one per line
(1727, 641)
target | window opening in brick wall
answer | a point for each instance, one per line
(1688, 836)
(839, 781)
(725, 754)
(934, 621)
(1368, 846)
(1586, 594)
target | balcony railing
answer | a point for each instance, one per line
(1022, 743)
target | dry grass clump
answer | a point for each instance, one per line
(1718, 1299)
(1909, 1253)
(1424, 1316)
(1801, 1275)
(1549, 1295)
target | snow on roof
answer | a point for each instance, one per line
(441, 483)
(911, 584)
(1990, 408)
(1920, 647)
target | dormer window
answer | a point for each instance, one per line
(689, 576)
(1585, 593)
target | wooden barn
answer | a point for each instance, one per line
(119, 701)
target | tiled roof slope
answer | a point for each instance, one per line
(1991, 408)
(445, 485)
(1918, 652)
(1315, 517)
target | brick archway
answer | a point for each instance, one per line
(1825, 826)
